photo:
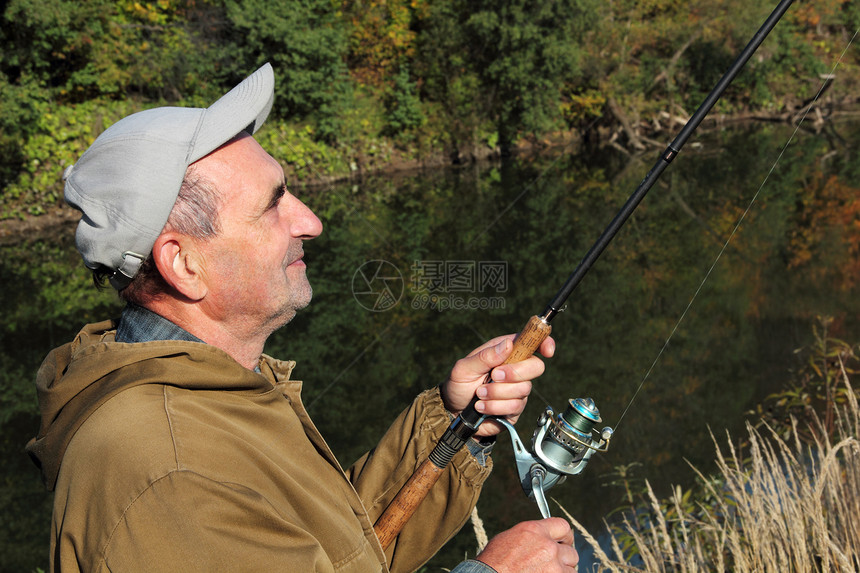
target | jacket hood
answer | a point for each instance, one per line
(75, 379)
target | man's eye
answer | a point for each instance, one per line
(276, 198)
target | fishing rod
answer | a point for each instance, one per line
(562, 443)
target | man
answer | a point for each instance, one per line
(172, 442)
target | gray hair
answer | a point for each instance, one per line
(194, 214)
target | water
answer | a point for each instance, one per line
(464, 255)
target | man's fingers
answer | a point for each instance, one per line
(482, 359)
(568, 556)
(547, 347)
(502, 408)
(491, 342)
(494, 352)
(528, 369)
(485, 364)
(495, 355)
(558, 529)
(510, 391)
(545, 545)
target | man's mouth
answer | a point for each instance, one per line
(298, 261)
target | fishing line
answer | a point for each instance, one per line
(735, 229)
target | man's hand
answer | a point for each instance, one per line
(508, 393)
(532, 546)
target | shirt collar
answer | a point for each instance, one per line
(138, 324)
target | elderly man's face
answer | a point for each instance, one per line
(253, 267)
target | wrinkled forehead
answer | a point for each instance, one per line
(242, 171)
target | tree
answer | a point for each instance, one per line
(525, 53)
(511, 57)
(307, 45)
(382, 37)
(65, 66)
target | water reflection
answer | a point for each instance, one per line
(459, 256)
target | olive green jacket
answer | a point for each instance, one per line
(170, 456)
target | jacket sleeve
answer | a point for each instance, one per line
(379, 475)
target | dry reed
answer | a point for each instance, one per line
(790, 505)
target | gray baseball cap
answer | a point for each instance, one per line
(126, 183)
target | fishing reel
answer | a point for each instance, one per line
(562, 446)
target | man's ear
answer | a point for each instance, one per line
(180, 264)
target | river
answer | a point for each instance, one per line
(415, 269)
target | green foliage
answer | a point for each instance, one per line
(643, 512)
(306, 43)
(451, 76)
(382, 37)
(580, 109)
(59, 136)
(817, 388)
(158, 50)
(19, 102)
(402, 105)
(505, 62)
(69, 69)
(84, 50)
(448, 79)
(525, 53)
(52, 43)
(786, 75)
(655, 57)
(306, 158)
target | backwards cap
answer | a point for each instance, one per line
(126, 183)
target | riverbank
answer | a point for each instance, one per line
(635, 138)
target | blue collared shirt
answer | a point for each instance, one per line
(472, 566)
(138, 324)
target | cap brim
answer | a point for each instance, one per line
(244, 108)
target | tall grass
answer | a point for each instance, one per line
(786, 500)
(792, 503)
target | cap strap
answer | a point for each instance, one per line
(131, 263)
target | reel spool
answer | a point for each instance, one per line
(562, 446)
